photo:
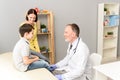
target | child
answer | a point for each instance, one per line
(22, 58)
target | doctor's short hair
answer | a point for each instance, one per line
(75, 28)
(25, 28)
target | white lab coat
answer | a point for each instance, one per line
(75, 63)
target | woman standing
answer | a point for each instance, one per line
(31, 18)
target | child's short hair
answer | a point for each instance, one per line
(25, 28)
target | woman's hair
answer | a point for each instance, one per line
(32, 11)
(25, 28)
(75, 28)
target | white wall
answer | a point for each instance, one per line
(82, 12)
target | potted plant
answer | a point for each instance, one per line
(105, 11)
(43, 28)
(109, 33)
(43, 49)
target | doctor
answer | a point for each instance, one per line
(73, 66)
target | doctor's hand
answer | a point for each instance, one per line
(59, 77)
(53, 67)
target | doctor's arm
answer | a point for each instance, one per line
(59, 64)
(63, 62)
(81, 61)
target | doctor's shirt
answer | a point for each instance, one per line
(75, 61)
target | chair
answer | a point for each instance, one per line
(95, 60)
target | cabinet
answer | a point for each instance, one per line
(108, 22)
(46, 37)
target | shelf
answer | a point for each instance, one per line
(108, 22)
(111, 15)
(46, 38)
(43, 13)
(109, 47)
(111, 26)
(43, 33)
(110, 37)
(44, 52)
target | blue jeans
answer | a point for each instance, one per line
(38, 64)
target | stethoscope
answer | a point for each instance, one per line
(74, 50)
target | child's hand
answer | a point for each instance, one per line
(36, 57)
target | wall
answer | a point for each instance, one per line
(82, 12)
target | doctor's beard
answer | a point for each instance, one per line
(66, 40)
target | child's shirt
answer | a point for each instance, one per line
(20, 50)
